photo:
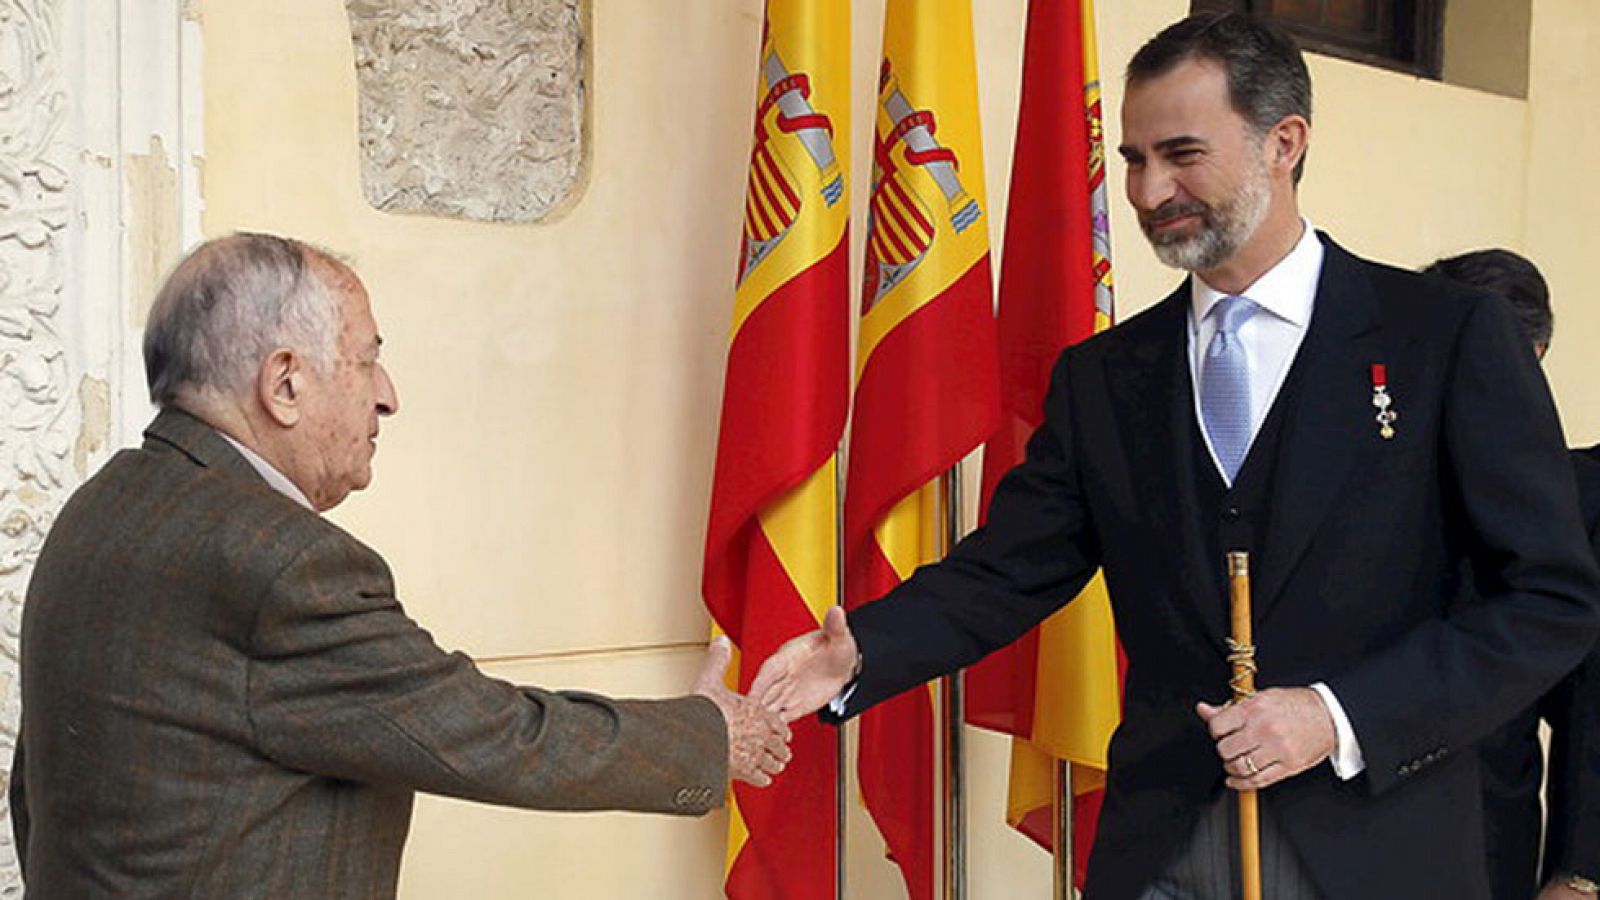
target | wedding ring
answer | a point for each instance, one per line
(1250, 764)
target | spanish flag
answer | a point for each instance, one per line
(771, 568)
(1058, 690)
(926, 380)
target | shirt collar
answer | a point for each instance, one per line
(275, 479)
(1287, 290)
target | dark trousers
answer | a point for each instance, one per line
(1208, 867)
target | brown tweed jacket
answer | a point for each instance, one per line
(222, 698)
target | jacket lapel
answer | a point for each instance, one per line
(1151, 386)
(1330, 423)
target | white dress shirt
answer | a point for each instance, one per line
(277, 480)
(1271, 338)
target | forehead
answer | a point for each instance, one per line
(357, 325)
(1191, 99)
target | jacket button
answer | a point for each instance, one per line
(1231, 514)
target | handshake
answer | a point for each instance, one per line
(796, 680)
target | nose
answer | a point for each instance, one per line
(388, 401)
(1149, 186)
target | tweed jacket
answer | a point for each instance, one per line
(222, 698)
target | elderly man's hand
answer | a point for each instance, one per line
(808, 670)
(1274, 735)
(758, 739)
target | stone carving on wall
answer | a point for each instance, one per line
(38, 413)
(470, 108)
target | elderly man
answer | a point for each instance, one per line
(1364, 432)
(222, 697)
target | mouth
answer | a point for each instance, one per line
(1170, 223)
(1173, 216)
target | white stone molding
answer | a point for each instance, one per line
(87, 89)
(38, 413)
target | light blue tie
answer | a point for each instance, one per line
(1225, 385)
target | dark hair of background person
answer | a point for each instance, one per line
(1512, 277)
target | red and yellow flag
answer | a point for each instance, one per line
(771, 569)
(926, 383)
(1058, 690)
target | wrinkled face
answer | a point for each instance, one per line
(1197, 173)
(341, 409)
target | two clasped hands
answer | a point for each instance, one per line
(1278, 733)
(797, 680)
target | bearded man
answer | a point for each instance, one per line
(1363, 432)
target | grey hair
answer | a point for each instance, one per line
(228, 304)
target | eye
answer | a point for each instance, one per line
(1186, 155)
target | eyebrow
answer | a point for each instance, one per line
(1163, 146)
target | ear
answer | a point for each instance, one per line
(279, 385)
(1287, 141)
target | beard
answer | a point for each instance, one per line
(1224, 227)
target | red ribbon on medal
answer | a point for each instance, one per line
(1381, 399)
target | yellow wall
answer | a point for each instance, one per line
(1563, 194)
(542, 494)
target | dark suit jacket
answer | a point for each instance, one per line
(1572, 841)
(222, 698)
(1513, 761)
(1356, 581)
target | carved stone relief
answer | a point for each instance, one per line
(470, 108)
(38, 410)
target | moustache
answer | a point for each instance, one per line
(1171, 210)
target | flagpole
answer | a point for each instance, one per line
(840, 775)
(955, 800)
(1063, 862)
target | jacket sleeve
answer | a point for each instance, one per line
(17, 799)
(1036, 553)
(1503, 471)
(1572, 835)
(1573, 712)
(344, 685)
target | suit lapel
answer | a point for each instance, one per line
(1330, 423)
(1150, 384)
